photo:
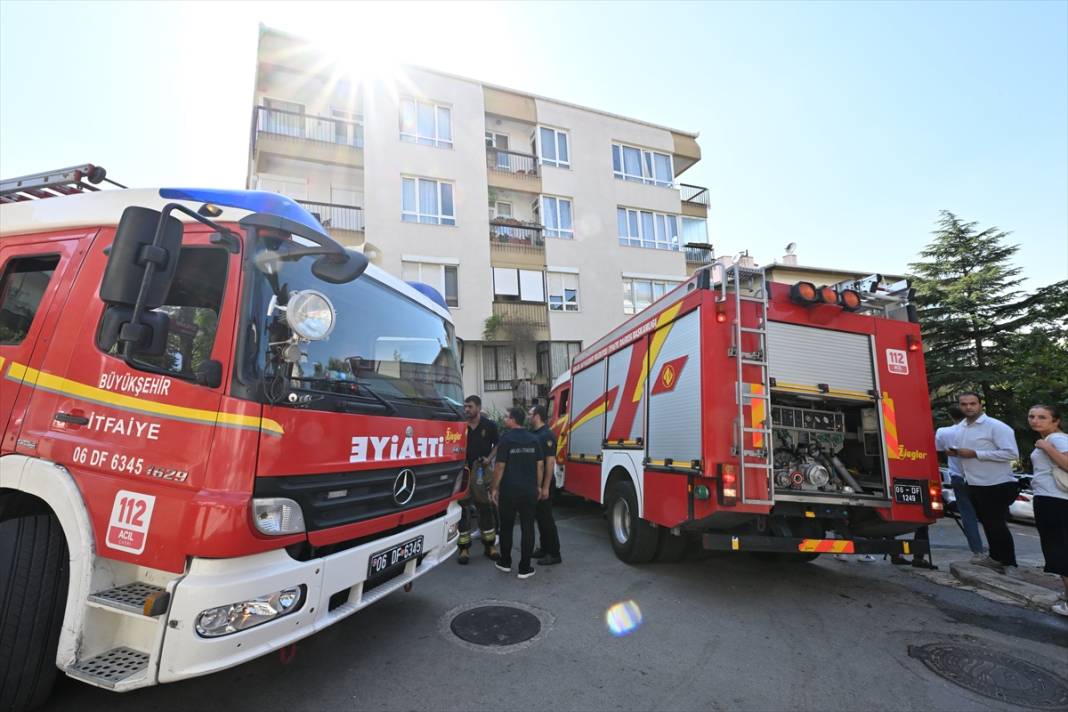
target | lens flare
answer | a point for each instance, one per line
(623, 618)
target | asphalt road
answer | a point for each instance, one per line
(722, 632)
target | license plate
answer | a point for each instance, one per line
(395, 555)
(908, 494)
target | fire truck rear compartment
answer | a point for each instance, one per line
(825, 446)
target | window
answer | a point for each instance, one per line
(694, 230)
(498, 367)
(636, 164)
(523, 285)
(555, 214)
(425, 123)
(502, 209)
(640, 293)
(441, 277)
(348, 129)
(282, 117)
(21, 291)
(554, 357)
(499, 141)
(427, 201)
(563, 291)
(553, 147)
(642, 228)
(192, 306)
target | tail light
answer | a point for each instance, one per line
(912, 342)
(728, 485)
(721, 316)
(934, 497)
(828, 295)
(804, 293)
(849, 299)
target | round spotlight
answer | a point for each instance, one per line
(849, 299)
(310, 315)
(804, 293)
(828, 295)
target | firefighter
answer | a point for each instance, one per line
(549, 552)
(481, 447)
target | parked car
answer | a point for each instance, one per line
(1023, 509)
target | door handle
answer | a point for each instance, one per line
(72, 419)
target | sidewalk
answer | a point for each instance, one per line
(1026, 585)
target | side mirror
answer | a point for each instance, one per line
(210, 373)
(132, 252)
(152, 339)
(340, 268)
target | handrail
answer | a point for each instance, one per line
(336, 216)
(505, 161)
(311, 127)
(694, 194)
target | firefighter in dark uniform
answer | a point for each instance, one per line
(482, 439)
(548, 553)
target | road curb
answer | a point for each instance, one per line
(1028, 594)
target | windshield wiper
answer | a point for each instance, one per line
(340, 402)
(430, 400)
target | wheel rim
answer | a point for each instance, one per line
(621, 521)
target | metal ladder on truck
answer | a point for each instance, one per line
(52, 184)
(750, 286)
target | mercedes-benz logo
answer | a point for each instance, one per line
(404, 487)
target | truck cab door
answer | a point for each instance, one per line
(139, 429)
(35, 277)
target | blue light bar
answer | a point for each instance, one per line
(429, 292)
(256, 201)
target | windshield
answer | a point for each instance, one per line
(386, 354)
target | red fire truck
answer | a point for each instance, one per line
(222, 432)
(760, 410)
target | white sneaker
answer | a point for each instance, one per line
(1060, 608)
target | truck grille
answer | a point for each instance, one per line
(347, 497)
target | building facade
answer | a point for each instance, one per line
(542, 223)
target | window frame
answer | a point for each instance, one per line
(8, 271)
(442, 278)
(557, 133)
(519, 296)
(496, 350)
(436, 141)
(647, 159)
(439, 218)
(658, 241)
(665, 287)
(557, 232)
(561, 277)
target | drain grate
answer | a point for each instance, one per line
(111, 667)
(996, 675)
(495, 625)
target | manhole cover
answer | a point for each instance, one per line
(495, 625)
(995, 675)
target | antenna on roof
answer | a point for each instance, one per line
(51, 184)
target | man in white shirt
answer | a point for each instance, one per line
(986, 448)
(946, 438)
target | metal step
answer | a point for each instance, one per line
(752, 330)
(111, 667)
(130, 597)
(765, 431)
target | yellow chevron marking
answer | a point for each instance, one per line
(654, 348)
(65, 386)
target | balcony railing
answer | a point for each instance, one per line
(506, 232)
(336, 217)
(310, 127)
(502, 161)
(527, 314)
(699, 255)
(694, 194)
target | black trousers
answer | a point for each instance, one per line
(508, 507)
(1051, 520)
(548, 537)
(992, 508)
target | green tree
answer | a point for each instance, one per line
(981, 332)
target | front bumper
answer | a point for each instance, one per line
(219, 582)
(787, 545)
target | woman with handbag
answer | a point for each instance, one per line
(1050, 486)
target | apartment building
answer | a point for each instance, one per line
(542, 223)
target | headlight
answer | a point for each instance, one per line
(310, 315)
(277, 515)
(242, 615)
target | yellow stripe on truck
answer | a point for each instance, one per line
(67, 387)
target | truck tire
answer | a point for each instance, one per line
(34, 573)
(634, 540)
(672, 548)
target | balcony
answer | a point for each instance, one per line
(323, 139)
(699, 256)
(695, 200)
(520, 321)
(344, 222)
(516, 243)
(512, 170)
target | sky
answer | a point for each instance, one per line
(842, 126)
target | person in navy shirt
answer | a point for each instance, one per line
(517, 482)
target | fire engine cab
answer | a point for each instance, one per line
(222, 431)
(755, 410)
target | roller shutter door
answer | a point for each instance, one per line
(807, 356)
